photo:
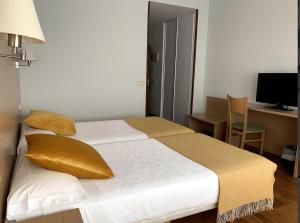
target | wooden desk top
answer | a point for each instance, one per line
(209, 118)
(261, 108)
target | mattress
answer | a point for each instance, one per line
(151, 181)
(109, 131)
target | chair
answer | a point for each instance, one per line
(239, 106)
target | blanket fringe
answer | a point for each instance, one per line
(246, 210)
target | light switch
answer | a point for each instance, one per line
(140, 83)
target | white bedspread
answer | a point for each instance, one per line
(99, 132)
(94, 132)
(151, 181)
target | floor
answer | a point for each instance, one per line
(285, 204)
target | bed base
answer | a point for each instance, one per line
(74, 216)
(181, 214)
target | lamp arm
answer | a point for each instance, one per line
(19, 56)
(10, 56)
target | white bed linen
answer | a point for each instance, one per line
(151, 181)
(94, 132)
(99, 132)
(36, 191)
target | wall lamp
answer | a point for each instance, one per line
(19, 22)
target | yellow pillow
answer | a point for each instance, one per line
(66, 155)
(51, 121)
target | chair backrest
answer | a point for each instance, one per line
(238, 106)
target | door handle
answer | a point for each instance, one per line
(148, 82)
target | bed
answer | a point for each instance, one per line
(99, 132)
(149, 177)
(161, 179)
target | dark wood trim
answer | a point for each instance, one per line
(194, 63)
(147, 60)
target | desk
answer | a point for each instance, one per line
(261, 108)
(210, 124)
(281, 126)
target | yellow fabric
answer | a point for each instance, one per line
(51, 121)
(67, 155)
(157, 127)
(244, 177)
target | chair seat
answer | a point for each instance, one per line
(250, 127)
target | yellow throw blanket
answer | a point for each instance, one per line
(157, 127)
(245, 179)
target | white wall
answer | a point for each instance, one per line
(94, 56)
(246, 37)
(94, 61)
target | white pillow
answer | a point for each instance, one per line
(25, 130)
(36, 191)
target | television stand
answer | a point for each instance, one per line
(280, 107)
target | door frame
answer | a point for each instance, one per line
(194, 62)
(147, 61)
(193, 66)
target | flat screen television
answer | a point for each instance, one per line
(278, 89)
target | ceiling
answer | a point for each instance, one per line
(160, 12)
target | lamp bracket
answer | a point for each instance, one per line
(18, 55)
(10, 56)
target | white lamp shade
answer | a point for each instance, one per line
(19, 17)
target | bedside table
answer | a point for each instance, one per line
(71, 216)
(209, 124)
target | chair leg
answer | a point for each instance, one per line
(243, 138)
(228, 135)
(262, 143)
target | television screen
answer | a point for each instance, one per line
(277, 88)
